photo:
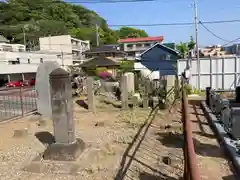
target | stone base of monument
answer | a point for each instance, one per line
(63, 152)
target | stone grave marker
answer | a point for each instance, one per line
(67, 147)
(124, 92)
(43, 87)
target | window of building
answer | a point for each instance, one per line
(18, 61)
(147, 44)
(129, 46)
(138, 45)
(12, 62)
(168, 57)
(162, 57)
(29, 61)
(41, 60)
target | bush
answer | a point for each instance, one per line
(105, 75)
(99, 70)
(188, 89)
(126, 66)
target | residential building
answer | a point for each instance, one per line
(22, 65)
(110, 63)
(106, 51)
(135, 46)
(17, 64)
(214, 50)
(157, 60)
(65, 44)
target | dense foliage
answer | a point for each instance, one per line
(39, 18)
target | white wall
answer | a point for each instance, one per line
(218, 72)
(24, 67)
(145, 72)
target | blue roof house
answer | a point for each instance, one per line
(158, 59)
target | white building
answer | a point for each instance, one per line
(65, 44)
(23, 65)
(12, 47)
(17, 64)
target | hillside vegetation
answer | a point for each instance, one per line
(39, 18)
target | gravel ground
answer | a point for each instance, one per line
(119, 145)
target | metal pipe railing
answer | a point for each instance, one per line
(191, 170)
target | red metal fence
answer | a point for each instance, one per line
(191, 171)
(17, 102)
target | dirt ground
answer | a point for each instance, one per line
(131, 145)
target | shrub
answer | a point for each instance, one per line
(105, 75)
(126, 66)
(188, 89)
(99, 70)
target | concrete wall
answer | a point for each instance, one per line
(218, 72)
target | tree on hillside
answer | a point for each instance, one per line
(50, 17)
(128, 32)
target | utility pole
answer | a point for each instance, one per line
(97, 35)
(24, 37)
(196, 41)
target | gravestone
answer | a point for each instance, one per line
(130, 82)
(43, 87)
(66, 146)
(90, 95)
(124, 92)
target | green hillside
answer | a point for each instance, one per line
(39, 18)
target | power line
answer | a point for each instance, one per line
(170, 24)
(213, 32)
(105, 1)
(237, 39)
(178, 24)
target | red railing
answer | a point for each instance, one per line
(191, 171)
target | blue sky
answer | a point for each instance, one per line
(171, 11)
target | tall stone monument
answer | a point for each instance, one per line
(67, 147)
(43, 87)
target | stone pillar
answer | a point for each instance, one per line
(130, 82)
(170, 83)
(62, 109)
(90, 95)
(66, 146)
(124, 92)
